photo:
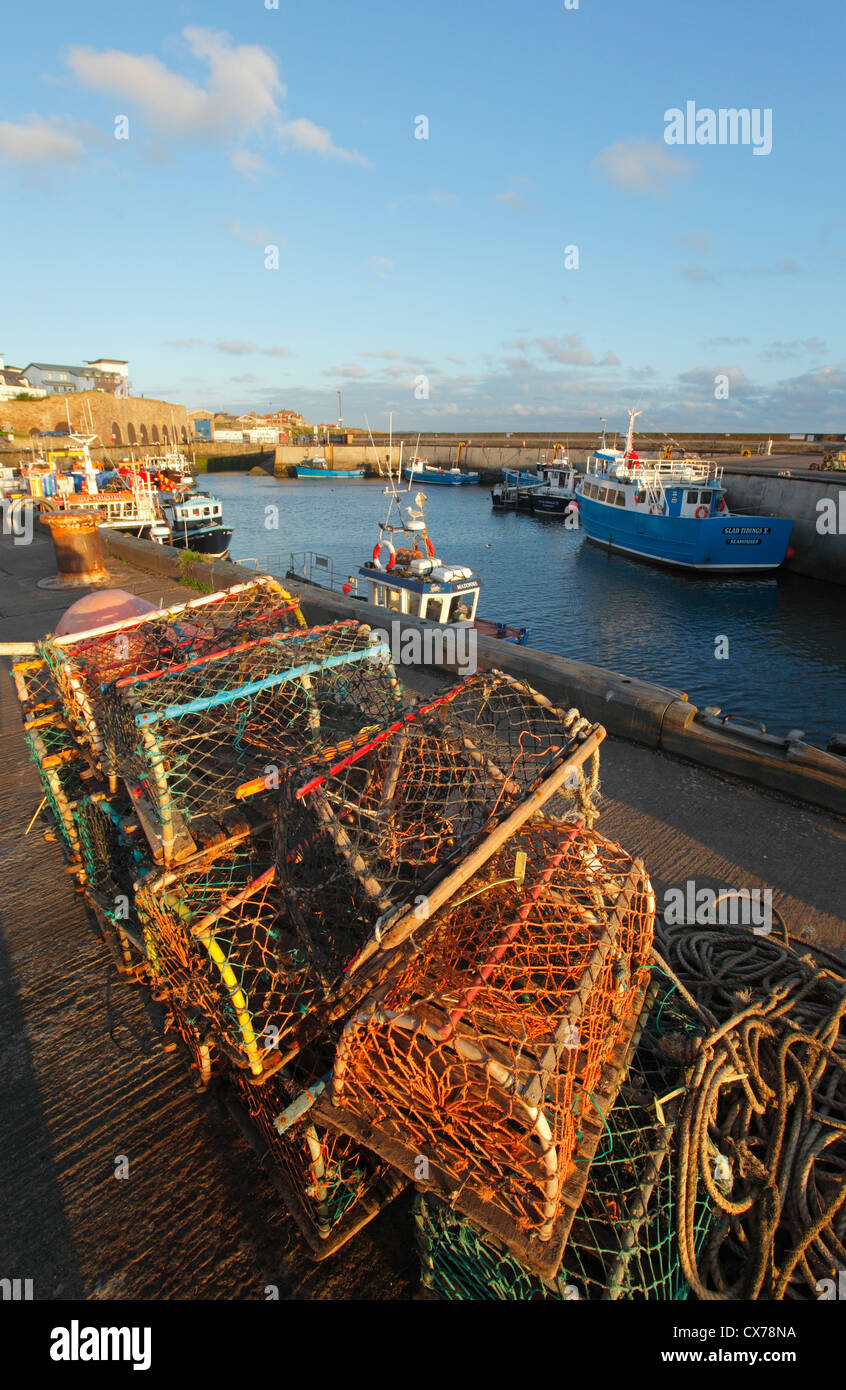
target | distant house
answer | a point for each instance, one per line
(110, 374)
(60, 379)
(57, 379)
(14, 381)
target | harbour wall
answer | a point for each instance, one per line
(821, 555)
(656, 716)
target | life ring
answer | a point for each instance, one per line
(701, 511)
(721, 505)
(392, 556)
(430, 549)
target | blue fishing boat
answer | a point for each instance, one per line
(673, 512)
(319, 468)
(420, 471)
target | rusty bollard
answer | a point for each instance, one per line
(79, 553)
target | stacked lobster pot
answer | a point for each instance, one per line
(143, 731)
(389, 929)
(622, 1241)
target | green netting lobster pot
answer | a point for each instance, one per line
(53, 749)
(114, 855)
(51, 746)
(483, 1067)
(189, 740)
(622, 1243)
(370, 847)
(331, 1185)
(83, 663)
(221, 950)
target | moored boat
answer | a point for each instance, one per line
(558, 489)
(514, 491)
(318, 467)
(674, 512)
(193, 523)
(421, 471)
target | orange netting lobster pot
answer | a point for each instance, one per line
(83, 662)
(476, 1067)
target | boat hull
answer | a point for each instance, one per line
(720, 544)
(546, 505)
(431, 479)
(339, 476)
(214, 541)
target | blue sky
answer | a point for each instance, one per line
(440, 258)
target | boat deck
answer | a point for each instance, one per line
(86, 1077)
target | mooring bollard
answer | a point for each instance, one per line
(79, 553)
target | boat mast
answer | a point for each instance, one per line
(633, 414)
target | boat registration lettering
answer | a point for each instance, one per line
(746, 530)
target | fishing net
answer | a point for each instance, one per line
(622, 1244)
(82, 663)
(195, 1040)
(185, 739)
(219, 946)
(331, 1186)
(36, 689)
(114, 854)
(368, 849)
(489, 1052)
(53, 749)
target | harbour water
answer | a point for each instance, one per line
(786, 638)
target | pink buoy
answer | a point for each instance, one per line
(100, 609)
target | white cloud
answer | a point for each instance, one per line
(780, 351)
(639, 166)
(247, 163)
(351, 373)
(511, 200)
(236, 348)
(382, 265)
(303, 134)
(38, 142)
(697, 274)
(240, 99)
(696, 241)
(259, 237)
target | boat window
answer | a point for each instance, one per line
(603, 493)
(692, 497)
(705, 498)
(640, 495)
(206, 511)
(621, 499)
